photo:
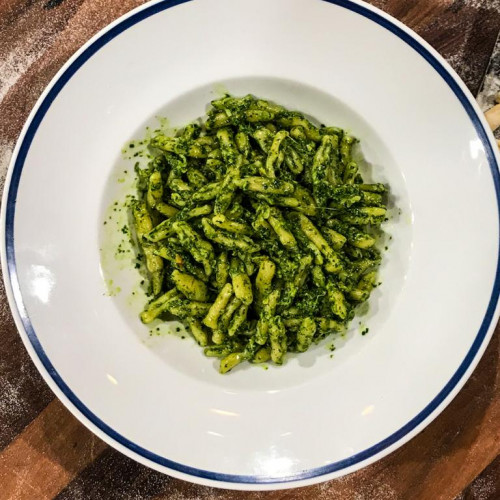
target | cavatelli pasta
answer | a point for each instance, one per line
(257, 230)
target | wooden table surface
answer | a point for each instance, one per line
(47, 453)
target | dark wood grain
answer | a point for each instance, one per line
(23, 394)
(485, 486)
(47, 455)
(45, 452)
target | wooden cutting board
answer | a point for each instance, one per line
(46, 453)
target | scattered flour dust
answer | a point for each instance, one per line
(17, 62)
(491, 88)
(324, 491)
(6, 149)
(13, 402)
(199, 492)
(331, 490)
(480, 4)
(18, 56)
(483, 488)
(355, 487)
(491, 84)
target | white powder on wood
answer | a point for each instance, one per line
(6, 149)
(17, 62)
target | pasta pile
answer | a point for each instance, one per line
(257, 230)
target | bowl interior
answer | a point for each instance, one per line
(126, 284)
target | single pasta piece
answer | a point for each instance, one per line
(218, 306)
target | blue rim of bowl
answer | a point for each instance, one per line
(102, 40)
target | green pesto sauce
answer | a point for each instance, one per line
(161, 329)
(184, 239)
(363, 329)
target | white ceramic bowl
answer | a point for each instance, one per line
(157, 399)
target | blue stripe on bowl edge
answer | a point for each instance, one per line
(12, 271)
